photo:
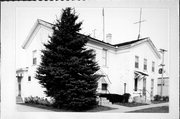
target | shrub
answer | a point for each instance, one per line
(38, 100)
(157, 98)
(114, 98)
(165, 98)
(126, 97)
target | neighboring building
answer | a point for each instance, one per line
(129, 67)
(165, 86)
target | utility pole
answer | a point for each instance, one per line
(162, 64)
(124, 87)
(139, 22)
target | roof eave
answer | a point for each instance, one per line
(25, 43)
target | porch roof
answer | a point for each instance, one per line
(142, 73)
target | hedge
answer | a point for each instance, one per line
(116, 98)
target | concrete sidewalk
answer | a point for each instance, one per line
(123, 109)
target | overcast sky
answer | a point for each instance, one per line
(118, 21)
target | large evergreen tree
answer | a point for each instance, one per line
(68, 69)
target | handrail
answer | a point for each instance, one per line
(148, 91)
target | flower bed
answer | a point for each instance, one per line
(38, 100)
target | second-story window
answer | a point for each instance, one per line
(104, 57)
(153, 66)
(34, 57)
(136, 62)
(29, 78)
(145, 64)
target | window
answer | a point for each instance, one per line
(152, 83)
(104, 86)
(104, 57)
(29, 78)
(136, 62)
(135, 84)
(145, 64)
(34, 57)
(153, 66)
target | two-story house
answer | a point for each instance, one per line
(129, 67)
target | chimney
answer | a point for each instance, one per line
(108, 38)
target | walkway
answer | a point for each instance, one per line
(123, 109)
(24, 108)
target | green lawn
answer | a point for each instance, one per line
(162, 109)
(131, 104)
(157, 102)
(95, 109)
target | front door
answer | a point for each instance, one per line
(144, 86)
(19, 89)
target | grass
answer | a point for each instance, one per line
(98, 108)
(161, 109)
(133, 104)
(160, 101)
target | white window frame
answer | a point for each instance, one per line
(145, 64)
(153, 66)
(137, 62)
(34, 57)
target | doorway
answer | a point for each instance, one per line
(144, 86)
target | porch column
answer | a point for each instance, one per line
(19, 78)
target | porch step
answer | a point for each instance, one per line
(141, 100)
(103, 101)
(19, 99)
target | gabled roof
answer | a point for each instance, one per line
(129, 42)
(119, 46)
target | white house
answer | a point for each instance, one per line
(129, 67)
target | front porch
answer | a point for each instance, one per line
(140, 93)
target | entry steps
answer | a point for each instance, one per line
(103, 101)
(19, 99)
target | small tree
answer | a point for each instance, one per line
(68, 69)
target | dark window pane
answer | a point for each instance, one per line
(29, 78)
(104, 86)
